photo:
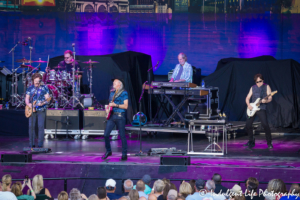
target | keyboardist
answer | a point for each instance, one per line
(183, 71)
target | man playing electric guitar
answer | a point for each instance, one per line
(118, 100)
(259, 90)
(37, 93)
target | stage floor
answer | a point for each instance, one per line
(284, 154)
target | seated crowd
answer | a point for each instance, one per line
(162, 190)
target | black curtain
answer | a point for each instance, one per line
(234, 82)
(131, 66)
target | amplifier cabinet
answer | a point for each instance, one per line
(207, 106)
(61, 115)
(94, 122)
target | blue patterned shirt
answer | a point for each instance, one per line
(119, 100)
(187, 73)
(39, 95)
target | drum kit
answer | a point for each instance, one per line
(58, 80)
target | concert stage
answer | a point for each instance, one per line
(82, 159)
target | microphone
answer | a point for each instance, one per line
(73, 44)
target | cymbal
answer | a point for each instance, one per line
(40, 61)
(27, 66)
(22, 60)
(90, 62)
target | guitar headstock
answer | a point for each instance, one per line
(274, 92)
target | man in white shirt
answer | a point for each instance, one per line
(199, 185)
(183, 71)
(7, 196)
(140, 187)
(209, 194)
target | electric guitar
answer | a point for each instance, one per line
(29, 111)
(109, 109)
(256, 104)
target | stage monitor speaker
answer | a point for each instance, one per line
(61, 116)
(16, 158)
(94, 120)
(175, 160)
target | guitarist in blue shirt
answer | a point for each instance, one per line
(259, 90)
(118, 101)
(38, 93)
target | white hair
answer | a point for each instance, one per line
(159, 185)
(128, 187)
(93, 197)
(210, 185)
(75, 194)
(171, 197)
(183, 56)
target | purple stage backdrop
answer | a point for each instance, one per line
(204, 38)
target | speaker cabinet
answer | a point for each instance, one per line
(61, 115)
(16, 158)
(175, 160)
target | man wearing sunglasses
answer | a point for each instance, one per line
(259, 90)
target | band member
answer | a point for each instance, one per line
(38, 93)
(259, 90)
(183, 71)
(118, 118)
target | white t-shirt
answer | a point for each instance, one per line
(7, 196)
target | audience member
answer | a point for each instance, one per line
(180, 198)
(152, 197)
(219, 188)
(166, 181)
(38, 186)
(140, 187)
(76, 195)
(251, 190)
(125, 198)
(101, 193)
(158, 188)
(239, 197)
(210, 194)
(236, 190)
(294, 193)
(93, 197)
(147, 180)
(166, 190)
(173, 186)
(142, 198)
(7, 195)
(199, 185)
(172, 194)
(133, 194)
(185, 189)
(192, 183)
(277, 186)
(63, 196)
(17, 189)
(6, 183)
(111, 189)
(128, 185)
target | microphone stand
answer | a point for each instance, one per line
(140, 153)
(149, 94)
(13, 76)
(67, 127)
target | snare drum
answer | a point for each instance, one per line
(51, 76)
(64, 75)
(53, 91)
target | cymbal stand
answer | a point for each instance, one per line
(62, 96)
(73, 97)
(14, 87)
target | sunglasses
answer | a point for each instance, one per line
(67, 57)
(259, 81)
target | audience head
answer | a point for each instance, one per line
(252, 180)
(166, 181)
(185, 189)
(147, 179)
(276, 186)
(101, 193)
(125, 198)
(63, 196)
(6, 182)
(236, 190)
(180, 198)
(173, 186)
(172, 194)
(152, 197)
(75, 194)
(128, 185)
(192, 183)
(133, 195)
(93, 197)
(16, 188)
(239, 197)
(110, 185)
(251, 186)
(142, 198)
(37, 183)
(295, 188)
(199, 184)
(159, 186)
(166, 191)
(217, 178)
(140, 186)
(210, 186)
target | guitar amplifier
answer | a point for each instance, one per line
(206, 106)
(94, 123)
(60, 115)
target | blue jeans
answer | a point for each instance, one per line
(119, 121)
(40, 117)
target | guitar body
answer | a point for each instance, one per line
(109, 112)
(255, 108)
(29, 111)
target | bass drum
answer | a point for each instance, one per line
(53, 92)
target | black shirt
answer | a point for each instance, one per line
(160, 197)
(220, 187)
(68, 67)
(113, 196)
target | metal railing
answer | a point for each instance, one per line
(65, 179)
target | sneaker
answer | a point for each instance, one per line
(270, 146)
